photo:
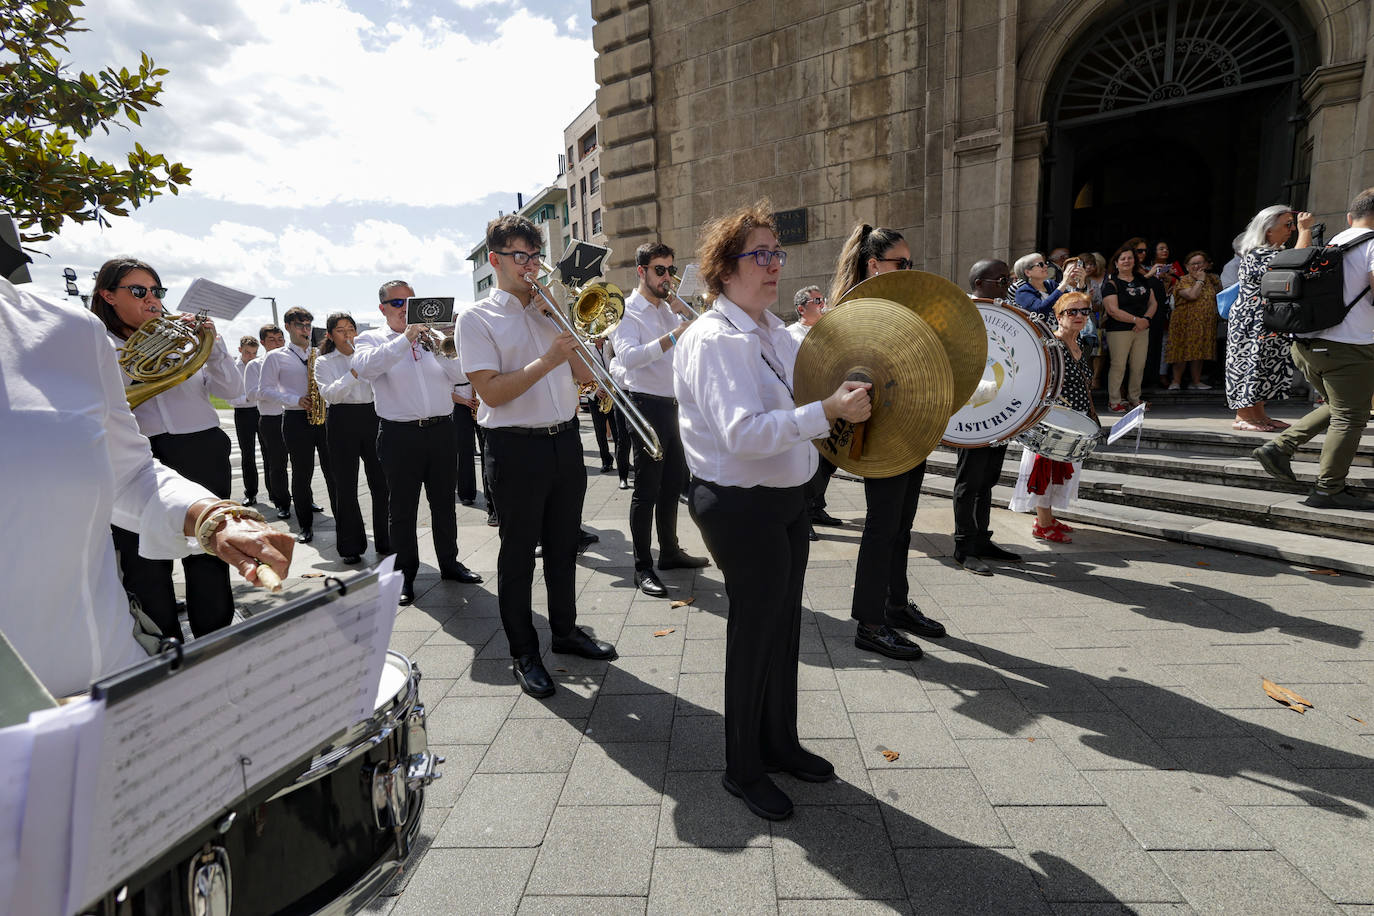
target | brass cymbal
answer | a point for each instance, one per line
(945, 308)
(913, 389)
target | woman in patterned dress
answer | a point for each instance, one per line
(1193, 325)
(1258, 365)
(1054, 484)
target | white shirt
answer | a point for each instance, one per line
(77, 463)
(739, 425)
(1358, 326)
(186, 408)
(499, 333)
(798, 331)
(245, 395)
(338, 384)
(283, 377)
(252, 388)
(648, 367)
(408, 381)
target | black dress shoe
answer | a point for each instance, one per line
(682, 560)
(586, 539)
(973, 564)
(351, 559)
(533, 678)
(250, 501)
(991, 551)
(821, 517)
(284, 512)
(886, 641)
(624, 485)
(761, 797)
(649, 584)
(607, 467)
(803, 765)
(315, 508)
(812, 535)
(579, 643)
(407, 594)
(493, 521)
(460, 573)
(911, 618)
(305, 537)
(467, 500)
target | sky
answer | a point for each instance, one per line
(333, 144)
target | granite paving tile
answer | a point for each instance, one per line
(631, 717)
(700, 694)
(839, 851)
(697, 811)
(1257, 883)
(1106, 741)
(697, 743)
(1173, 811)
(486, 880)
(1331, 847)
(881, 691)
(534, 746)
(689, 881)
(642, 674)
(468, 720)
(843, 907)
(936, 808)
(986, 714)
(1172, 713)
(1019, 771)
(851, 785)
(531, 905)
(502, 809)
(591, 851)
(703, 655)
(920, 738)
(575, 696)
(486, 677)
(969, 881)
(821, 714)
(616, 773)
(1311, 741)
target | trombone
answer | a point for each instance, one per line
(595, 310)
(674, 284)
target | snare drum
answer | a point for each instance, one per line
(323, 839)
(1022, 378)
(1063, 435)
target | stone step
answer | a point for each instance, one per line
(1216, 442)
(1318, 551)
(1267, 510)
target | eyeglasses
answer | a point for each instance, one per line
(1084, 312)
(1141, 250)
(138, 291)
(521, 258)
(1040, 264)
(660, 270)
(902, 263)
(998, 281)
(816, 300)
(1288, 225)
(299, 324)
(763, 257)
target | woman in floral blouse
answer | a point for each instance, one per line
(1193, 324)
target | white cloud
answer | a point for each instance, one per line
(295, 103)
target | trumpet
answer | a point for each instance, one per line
(443, 345)
(596, 309)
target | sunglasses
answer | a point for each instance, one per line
(660, 270)
(1141, 250)
(138, 291)
(816, 300)
(1040, 264)
(1084, 312)
(763, 257)
(902, 263)
(395, 303)
(521, 258)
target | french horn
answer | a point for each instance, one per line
(165, 351)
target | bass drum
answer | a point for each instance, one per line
(325, 839)
(1021, 379)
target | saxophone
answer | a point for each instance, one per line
(314, 413)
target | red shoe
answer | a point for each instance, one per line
(1050, 534)
(1061, 526)
(1117, 407)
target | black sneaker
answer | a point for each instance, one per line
(1341, 499)
(1273, 460)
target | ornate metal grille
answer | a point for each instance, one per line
(1175, 50)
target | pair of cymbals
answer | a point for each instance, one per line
(923, 344)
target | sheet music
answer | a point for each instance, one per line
(214, 299)
(691, 280)
(169, 759)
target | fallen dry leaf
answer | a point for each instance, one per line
(890, 756)
(1031, 740)
(683, 602)
(664, 632)
(1323, 572)
(1284, 695)
(1203, 563)
(1358, 719)
(312, 575)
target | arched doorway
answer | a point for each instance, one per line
(1177, 120)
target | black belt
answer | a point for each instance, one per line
(423, 421)
(653, 397)
(553, 430)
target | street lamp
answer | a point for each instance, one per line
(273, 300)
(72, 289)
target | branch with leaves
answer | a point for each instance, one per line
(46, 110)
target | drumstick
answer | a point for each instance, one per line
(856, 446)
(268, 578)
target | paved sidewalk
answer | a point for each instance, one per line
(1091, 737)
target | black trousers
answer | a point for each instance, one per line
(817, 485)
(623, 443)
(539, 482)
(351, 430)
(465, 428)
(658, 484)
(274, 460)
(302, 442)
(601, 423)
(246, 431)
(880, 574)
(204, 458)
(414, 457)
(975, 475)
(758, 538)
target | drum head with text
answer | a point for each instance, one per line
(1023, 369)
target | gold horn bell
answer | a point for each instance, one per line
(164, 352)
(921, 342)
(599, 307)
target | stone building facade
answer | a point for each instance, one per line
(582, 179)
(980, 127)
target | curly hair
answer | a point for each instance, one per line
(1071, 300)
(724, 237)
(108, 279)
(863, 243)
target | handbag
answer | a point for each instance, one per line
(1227, 298)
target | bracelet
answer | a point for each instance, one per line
(205, 513)
(672, 338)
(212, 521)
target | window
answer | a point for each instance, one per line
(484, 283)
(574, 230)
(571, 160)
(588, 143)
(596, 180)
(596, 222)
(584, 187)
(572, 194)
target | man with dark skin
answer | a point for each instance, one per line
(978, 469)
